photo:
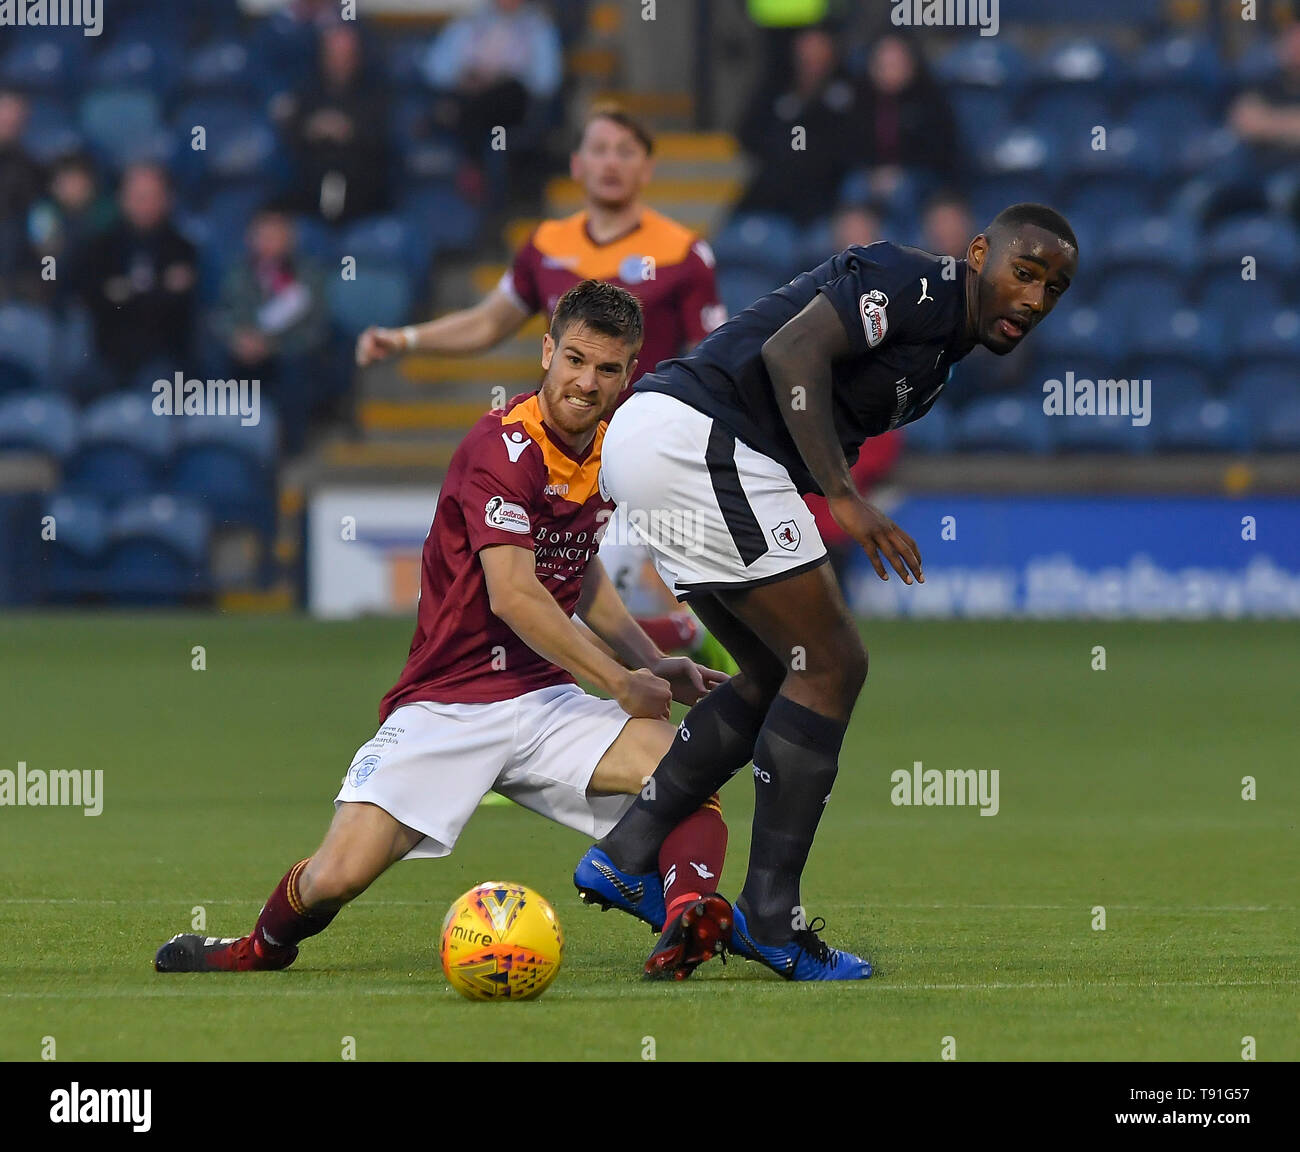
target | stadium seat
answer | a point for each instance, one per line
(1113, 199)
(157, 550)
(251, 151)
(1183, 62)
(387, 241)
(1180, 333)
(991, 194)
(1021, 150)
(44, 61)
(1103, 434)
(1275, 243)
(1258, 63)
(1077, 62)
(1071, 113)
(1002, 423)
(220, 66)
(758, 242)
(234, 487)
(123, 443)
(374, 297)
(1172, 381)
(1237, 300)
(1205, 424)
(38, 422)
(27, 338)
(1135, 293)
(16, 377)
(1131, 152)
(441, 215)
(1269, 333)
(983, 62)
(76, 555)
(124, 125)
(983, 115)
(1165, 243)
(1079, 329)
(51, 130)
(404, 58)
(1172, 112)
(148, 62)
(739, 287)
(1269, 394)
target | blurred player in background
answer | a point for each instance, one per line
(488, 699)
(616, 237)
(774, 405)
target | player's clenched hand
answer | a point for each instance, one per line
(378, 344)
(642, 693)
(689, 680)
(879, 536)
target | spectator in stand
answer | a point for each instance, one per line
(139, 280)
(947, 225)
(904, 124)
(499, 66)
(855, 224)
(338, 133)
(69, 220)
(272, 321)
(21, 182)
(1268, 117)
(798, 174)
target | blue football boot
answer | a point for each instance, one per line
(599, 882)
(805, 957)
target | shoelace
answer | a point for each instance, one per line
(814, 945)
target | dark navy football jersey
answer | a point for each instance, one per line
(906, 326)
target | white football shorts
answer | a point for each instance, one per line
(716, 514)
(623, 555)
(429, 765)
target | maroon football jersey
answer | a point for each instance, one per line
(665, 266)
(510, 482)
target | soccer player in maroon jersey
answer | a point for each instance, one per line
(617, 238)
(488, 699)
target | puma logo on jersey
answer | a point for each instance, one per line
(925, 282)
(515, 443)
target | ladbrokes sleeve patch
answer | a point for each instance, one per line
(875, 322)
(501, 513)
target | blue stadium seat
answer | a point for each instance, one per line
(1187, 63)
(223, 119)
(983, 62)
(1021, 150)
(1272, 333)
(123, 444)
(44, 61)
(223, 65)
(932, 433)
(1269, 393)
(1205, 424)
(1258, 63)
(235, 481)
(441, 215)
(1077, 61)
(77, 553)
(136, 62)
(251, 151)
(124, 124)
(374, 297)
(38, 422)
(1079, 329)
(16, 377)
(1172, 381)
(51, 130)
(739, 286)
(983, 115)
(1103, 434)
(991, 194)
(1002, 423)
(1165, 243)
(1237, 300)
(27, 338)
(157, 550)
(1071, 113)
(758, 242)
(1177, 332)
(1114, 199)
(1134, 293)
(387, 241)
(1274, 243)
(1130, 152)
(404, 62)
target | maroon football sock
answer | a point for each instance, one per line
(284, 921)
(690, 860)
(672, 633)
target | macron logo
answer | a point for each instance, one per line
(515, 443)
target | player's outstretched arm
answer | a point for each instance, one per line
(530, 611)
(602, 609)
(493, 319)
(798, 358)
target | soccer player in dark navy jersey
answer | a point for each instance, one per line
(712, 454)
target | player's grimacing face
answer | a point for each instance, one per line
(585, 372)
(1022, 276)
(611, 164)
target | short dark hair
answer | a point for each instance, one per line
(604, 308)
(608, 110)
(1039, 215)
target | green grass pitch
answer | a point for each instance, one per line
(1120, 788)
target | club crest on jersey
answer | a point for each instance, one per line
(500, 513)
(515, 443)
(875, 323)
(787, 535)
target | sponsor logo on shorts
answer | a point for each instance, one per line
(787, 535)
(875, 322)
(600, 483)
(362, 770)
(500, 513)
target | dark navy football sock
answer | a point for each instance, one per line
(795, 764)
(713, 742)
